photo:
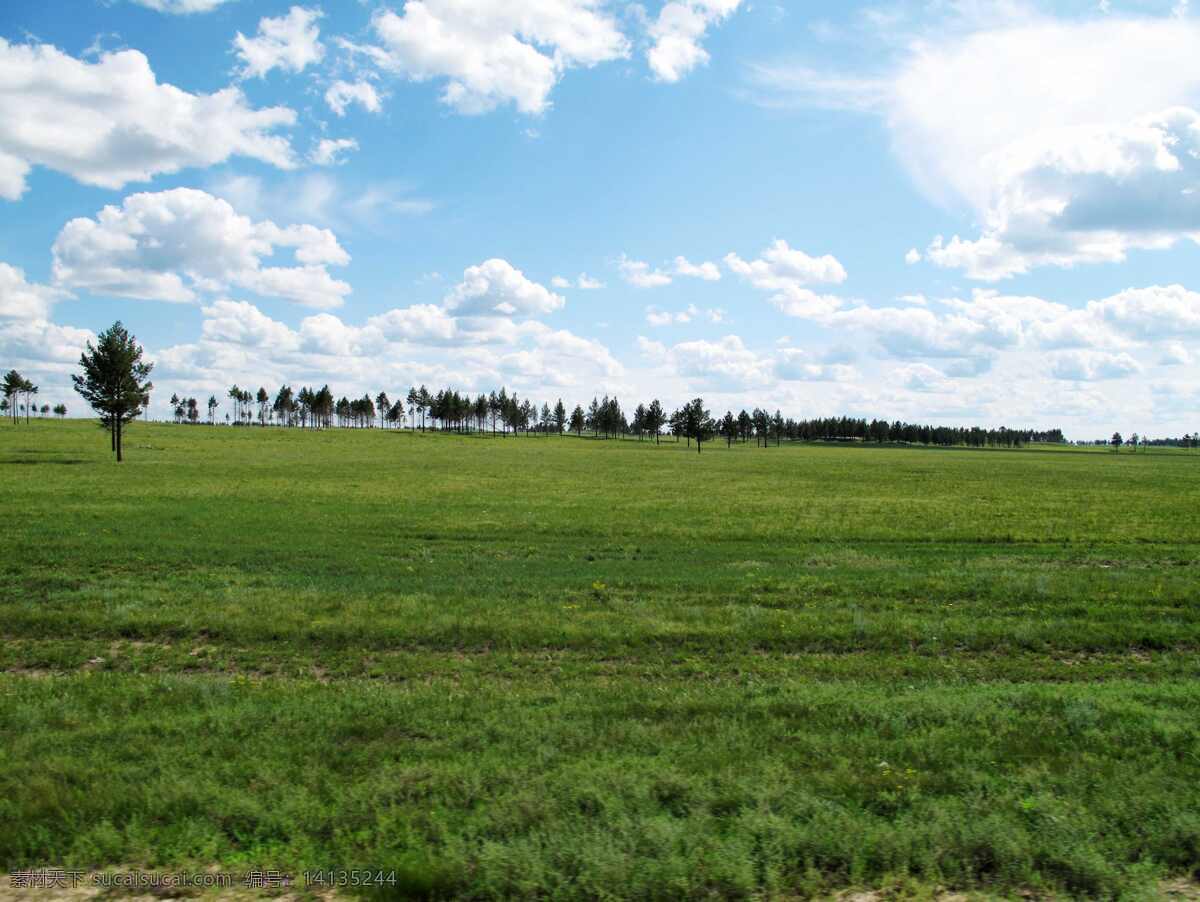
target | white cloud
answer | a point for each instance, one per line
(721, 364)
(1070, 141)
(1086, 194)
(495, 287)
(657, 317)
(401, 347)
(175, 245)
(1087, 366)
(238, 322)
(796, 365)
(784, 272)
(321, 198)
(728, 367)
(639, 274)
(912, 257)
(708, 271)
(110, 122)
(583, 283)
(341, 94)
(40, 346)
(677, 34)
(328, 151)
(971, 332)
(921, 377)
(780, 267)
(1152, 313)
(24, 300)
(181, 7)
(493, 52)
(419, 323)
(1175, 354)
(290, 42)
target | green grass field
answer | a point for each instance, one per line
(584, 669)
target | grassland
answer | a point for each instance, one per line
(585, 669)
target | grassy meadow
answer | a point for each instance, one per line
(564, 668)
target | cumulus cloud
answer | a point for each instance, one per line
(657, 317)
(20, 299)
(418, 323)
(238, 322)
(583, 283)
(1070, 141)
(720, 365)
(729, 365)
(1087, 366)
(329, 150)
(676, 35)
(40, 346)
(404, 346)
(496, 288)
(1086, 194)
(1175, 354)
(487, 53)
(181, 7)
(708, 271)
(1096, 339)
(1152, 313)
(784, 273)
(176, 245)
(110, 122)
(341, 94)
(290, 42)
(920, 377)
(639, 274)
(796, 365)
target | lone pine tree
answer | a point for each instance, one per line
(114, 381)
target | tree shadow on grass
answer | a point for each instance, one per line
(66, 461)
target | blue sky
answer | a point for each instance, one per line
(958, 212)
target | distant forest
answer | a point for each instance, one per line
(504, 413)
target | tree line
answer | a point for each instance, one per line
(115, 383)
(1135, 441)
(505, 413)
(18, 399)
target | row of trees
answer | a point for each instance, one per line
(27, 410)
(1136, 441)
(16, 387)
(502, 412)
(115, 382)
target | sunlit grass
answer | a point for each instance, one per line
(563, 667)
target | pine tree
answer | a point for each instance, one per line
(14, 384)
(115, 380)
(384, 405)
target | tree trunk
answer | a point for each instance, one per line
(118, 435)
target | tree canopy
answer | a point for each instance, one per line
(115, 380)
